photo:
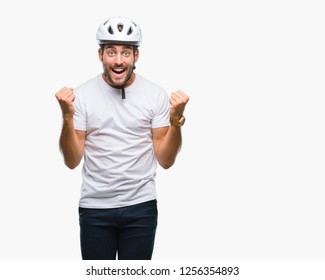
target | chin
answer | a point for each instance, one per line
(118, 84)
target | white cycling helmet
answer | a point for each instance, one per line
(120, 30)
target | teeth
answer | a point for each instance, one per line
(118, 70)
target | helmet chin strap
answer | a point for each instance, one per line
(122, 87)
(123, 93)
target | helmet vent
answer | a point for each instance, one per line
(110, 30)
(120, 27)
(130, 30)
(119, 30)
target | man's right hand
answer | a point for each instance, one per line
(65, 96)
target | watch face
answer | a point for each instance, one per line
(181, 121)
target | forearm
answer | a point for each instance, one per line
(70, 146)
(169, 147)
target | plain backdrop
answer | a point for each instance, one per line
(249, 181)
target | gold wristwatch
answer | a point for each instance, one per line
(177, 122)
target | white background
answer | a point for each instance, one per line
(249, 182)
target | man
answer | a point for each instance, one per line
(122, 124)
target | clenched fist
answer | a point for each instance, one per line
(178, 101)
(65, 96)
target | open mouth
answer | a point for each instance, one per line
(118, 70)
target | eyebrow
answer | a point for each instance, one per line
(113, 47)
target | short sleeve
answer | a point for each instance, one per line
(79, 117)
(161, 116)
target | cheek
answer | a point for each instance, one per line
(105, 66)
(107, 62)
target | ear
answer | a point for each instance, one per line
(136, 55)
(100, 54)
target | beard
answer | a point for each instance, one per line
(117, 82)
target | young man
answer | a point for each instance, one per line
(122, 124)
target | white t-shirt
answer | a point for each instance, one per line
(119, 166)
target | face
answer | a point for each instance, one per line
(118, 62)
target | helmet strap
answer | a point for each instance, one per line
(122, 88)
(123, 93)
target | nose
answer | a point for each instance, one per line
(118, 58)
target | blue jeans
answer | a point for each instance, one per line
(128, 232)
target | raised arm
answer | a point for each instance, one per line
(71, 141)
(168, 140)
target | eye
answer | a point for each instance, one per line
(111, 53)
(126, 53)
